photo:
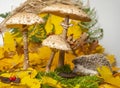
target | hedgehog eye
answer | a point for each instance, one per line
(75, 66)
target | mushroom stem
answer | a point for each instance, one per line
(65, 26)
(50, 60)
(61, 58)
(26, 56)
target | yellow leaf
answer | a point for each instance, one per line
(32, 83)
(57, 23)
(115, 68)
(75, 29)
(99, 49)
(9, 44)
(51, 82)
(29, 72)
(1, 52)
(111, 58)
(107, 86)
(106, 74)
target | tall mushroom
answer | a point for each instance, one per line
(22, 21)
(67, 11)
(55, 42)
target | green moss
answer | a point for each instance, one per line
(46, 86)
(66, 69)
(83, 81)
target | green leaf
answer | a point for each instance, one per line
(46, 17)
(4, 15)
(96, 33)
(16, 32)
(35, 39)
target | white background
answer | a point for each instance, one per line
(108, 12)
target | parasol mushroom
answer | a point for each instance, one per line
(35, 6)
(67, 11)
(55, 42)
(22, 21)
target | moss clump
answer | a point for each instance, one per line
(81, 81)
(66, 69)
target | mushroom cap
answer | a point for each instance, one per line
(23, 18)
(64, 10)
(57, 42)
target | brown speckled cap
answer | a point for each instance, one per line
(23, 18)
(57, 42)
(64, 10)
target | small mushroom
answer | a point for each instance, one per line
(22, 21)
(67, 11)
(55, 42)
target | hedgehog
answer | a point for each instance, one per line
(88, 64)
